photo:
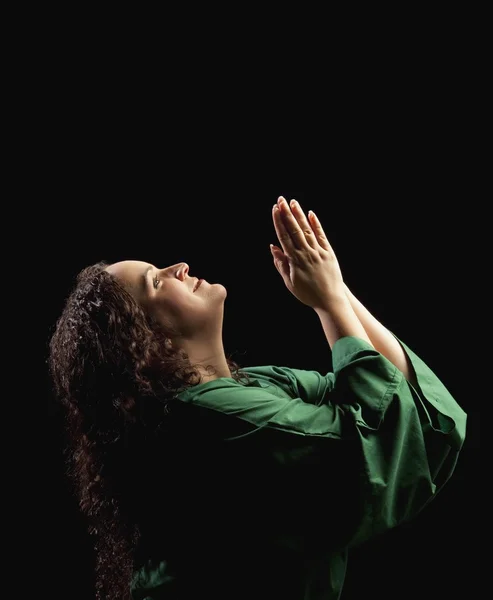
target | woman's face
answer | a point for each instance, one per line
(168, 294)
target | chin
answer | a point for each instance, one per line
(222, 288)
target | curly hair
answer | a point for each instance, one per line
(116, 377)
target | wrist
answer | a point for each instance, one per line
(334, 302)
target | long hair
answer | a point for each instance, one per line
(115, 375)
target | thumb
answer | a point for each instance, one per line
(275, 251)
(278, 257)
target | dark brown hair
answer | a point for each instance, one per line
(116, 376)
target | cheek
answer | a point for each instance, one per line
(180, 306)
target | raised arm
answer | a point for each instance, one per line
(311, 272)
(340, 320)
(381, 338)
(309, 267)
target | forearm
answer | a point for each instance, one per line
(339, 320)
(382, 340)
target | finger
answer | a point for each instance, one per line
(282, 234)
(307, 229)
(292, 228)
(319, 231)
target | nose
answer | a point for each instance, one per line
(180, 269)
(183, 268)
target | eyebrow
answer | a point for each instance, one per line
(144, 276)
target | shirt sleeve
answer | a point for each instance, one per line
(409, 445)
(362, 449)
(309, 386)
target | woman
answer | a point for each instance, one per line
(201, 479)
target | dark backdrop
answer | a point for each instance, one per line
(135, 168)
(397, 248)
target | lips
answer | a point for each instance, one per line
(197, 285)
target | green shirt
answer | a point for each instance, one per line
(271, 482)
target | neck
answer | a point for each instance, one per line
(208, 357)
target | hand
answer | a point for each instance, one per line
(308, 265)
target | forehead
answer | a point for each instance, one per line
(130, 272)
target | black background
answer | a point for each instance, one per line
(175, 163)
